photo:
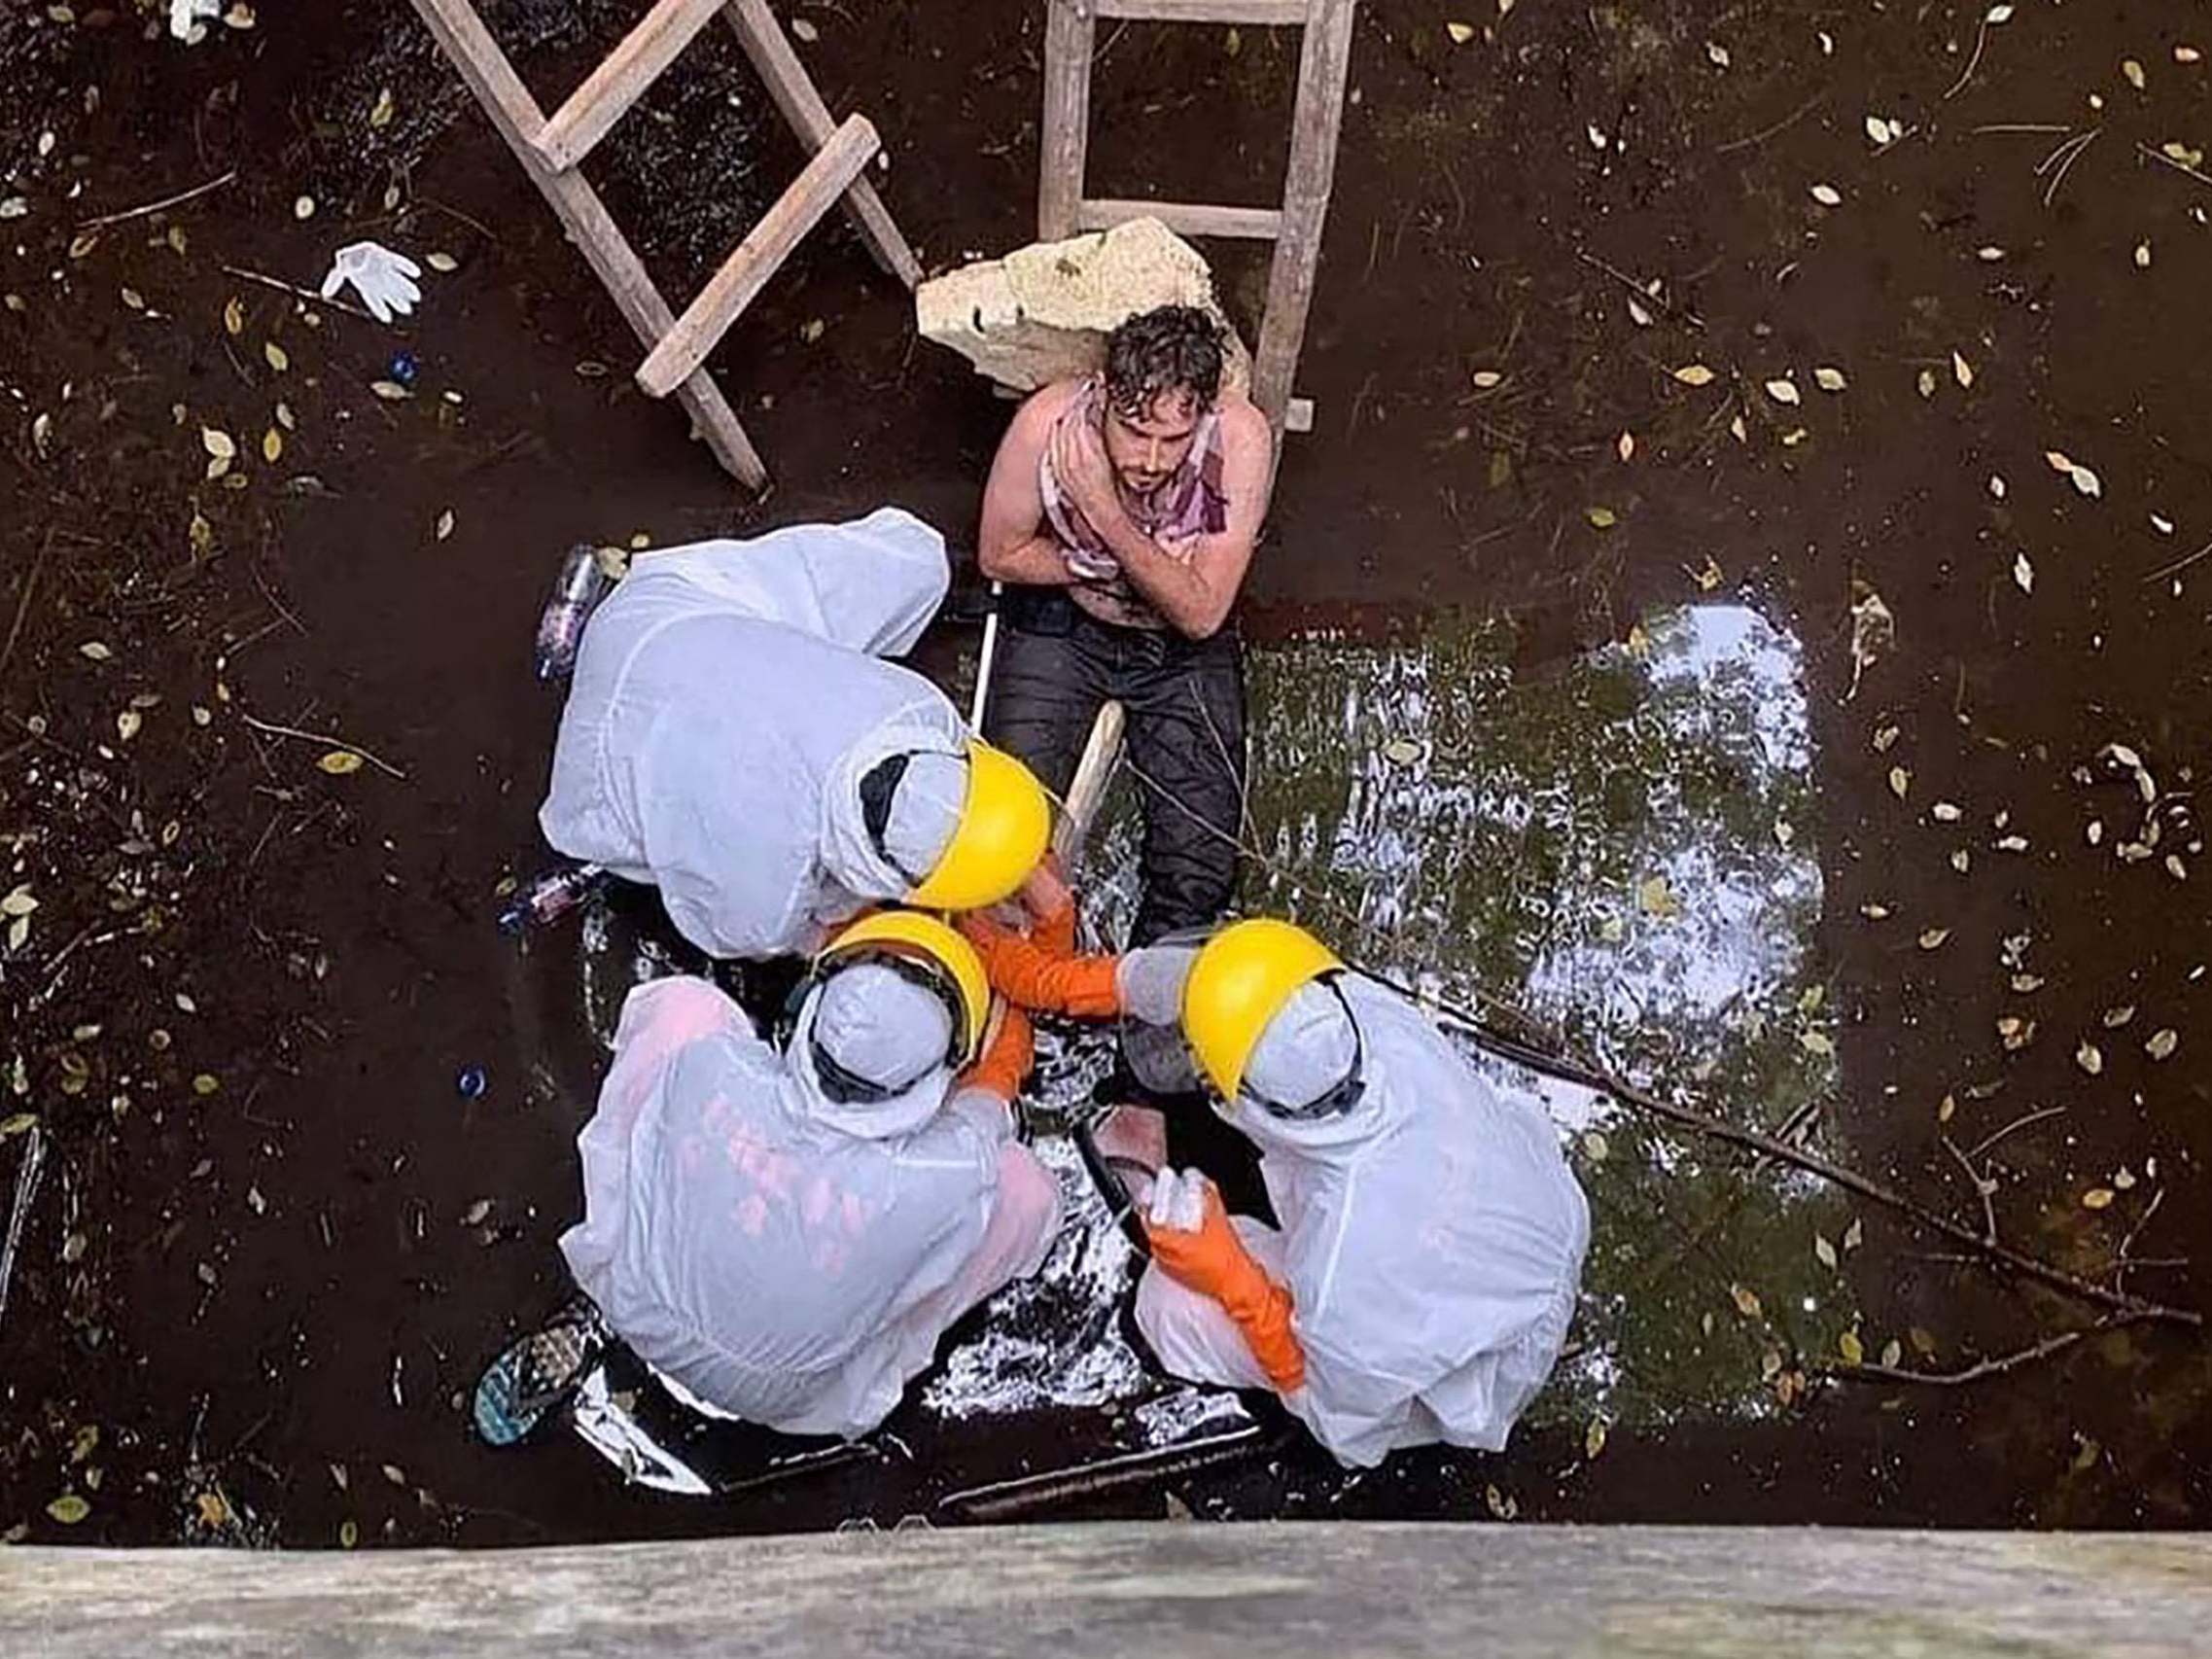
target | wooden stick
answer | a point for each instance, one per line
(181, 198)
(465, 40)
(621, 78)
(328, 737)
(308, 294)
(1086, 793)
(1183, 217)
(792, 88)
(1995, 1366)
(750, 265)
(1071, 33)
(1316, 120)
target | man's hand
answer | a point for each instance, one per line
(1080, 465)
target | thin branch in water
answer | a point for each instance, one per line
(306, 293)
(330, 738)
(177, 200)
(2022, 127)
(2177, 566)
(24, 606)
(1643, 294)
(2017, 1123)
(1981, 40)
(2072, 150)
(2124, 1261)
(1983, 1186)
(2178, 167)
(1995, 1366)
(1766, 132)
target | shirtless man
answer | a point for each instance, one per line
(1121, 512)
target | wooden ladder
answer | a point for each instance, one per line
(1295, 229)
(552, 149)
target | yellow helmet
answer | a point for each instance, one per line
(1243, 977)
(1004, 823)
(951, 961)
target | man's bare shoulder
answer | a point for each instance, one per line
(1032, 422)
(1243, 429)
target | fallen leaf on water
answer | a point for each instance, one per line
(218, 442)
(1601, 518)
(442, 261)
(2188, 54)
(1594, 1437)
(1881, 131)
(1782, 391)
(69, 1508)
(1961, 371)
(396, 1475)
(2096, 1198)
(1932, 939)
(1816, 1043)
(445, 524)
(349, 1535)
(1923, 1341)
(1829, 380)
(2089, 1057)
(804, 32)
(1638, 315)
(2143, 255)
(1823, 1250)
(1747, 1300)
(1710, 577)
(1856, 1234)
(340, 761)
(303, 207)
(2024, 573)
(96, 649)
(2016, 1033)
(2115, 1019)
(1486, 378)
(2134, 73)
(233, 316)
(127, 722)
(213, 1511)
(1460, 33)
(1693, 374)
(2162, 1043)
(1852, 1349)
(276, 356)
(16, 1123)
(1828, 196)
(1716, 54)
(1595, 1146)
(2123, 1179)
(1737, 430)
(380, 111)
(1900, 782)
(1926, 382)
(1626, 447)
(1654, 898)
(1892, 1351)
(391, 391)
(272, 444)
(205, 1083)
(1944, 812)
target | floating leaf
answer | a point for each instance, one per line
(1401, 750)
(1601, 518)
(17, 1123)
(218, 444)
(340, 761)
(127, 722)
(1961, 371)
(69, 1508)
(1716, 54)
(233, 316)
(2098, 1198)
(2089, 1057)
(349, 1535)
(2115, 1019)
(2024, 573)
(303, 207)
(1856, 1234)
(1823, 1250)
(1892, 1351)
(1923, 1341)
(1879, 130)
(1595, 1146)
(17, 903)
(1932, 939)
(1626, 447)
(1852, 1349)
(1828, 196)
(444, 526)
(275, 356)
(272, 444)
(2143, 255)
(1747, 1300)
(1693, 374)
(804, 32)
(2134, 73)
(1594, 1437)
(1816, 1043)
(1486, 378)
(1638, 315)
(1782, 391)
(1460, 33)
(2162, 1043)
(442, 261)
(97, 649)
(1654, 898)
(1998, 14)
(391, 391)
(213, 1510)
(1900, 782)
(1829, 380)
(380, 111)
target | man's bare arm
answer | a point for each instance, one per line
(1195, 594)
(1014, 543)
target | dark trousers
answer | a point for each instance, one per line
(1185, 739)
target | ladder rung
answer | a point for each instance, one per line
(609, 90)
(703, 322)
(1256, 13)
(1183, 217)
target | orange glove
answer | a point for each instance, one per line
(1008, 1058)
(1030, 972)
(1211, 1260)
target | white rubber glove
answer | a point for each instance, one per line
(185, 19)
(1149, 981)
(384, 280)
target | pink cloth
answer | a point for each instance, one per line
(1191, 503)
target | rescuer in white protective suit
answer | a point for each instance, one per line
(733, 736)
(1422, 1283)
(785, 1233)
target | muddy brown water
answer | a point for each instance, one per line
(267, 1293)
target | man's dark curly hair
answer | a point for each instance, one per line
(1176, 348)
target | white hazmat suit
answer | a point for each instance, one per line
(781, 1257)
(729, 698)
(1432, 1238)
